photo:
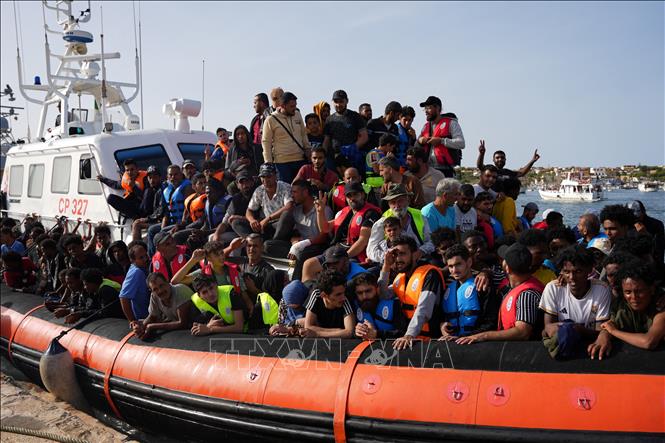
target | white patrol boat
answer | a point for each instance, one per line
(54, 174)
(574, 190)
(648, 186)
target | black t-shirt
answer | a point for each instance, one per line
(328, 318)
(90, 260)
(375, 129)
(315, 140)
(343, 128)
(503, 175)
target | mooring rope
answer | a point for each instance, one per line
(41, 434)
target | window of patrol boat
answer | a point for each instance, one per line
(88, 183)
(195, 152)
(36, 180)
(144, 156)
(16, 181)
(62, 171)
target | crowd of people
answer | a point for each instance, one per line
(382, 241)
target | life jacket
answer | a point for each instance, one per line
(372, 158)
(223, 308)
(338, 197)
(175, 199)
(195, 205)
(128, 185)
(403, 144)
(177, 262)
(232, 268)
(409, 292)
(441, 154)
(461, 306)
(222, 146)
(382, 318)
(497, 227)
(111, 284)
(355, 224)
(416, 221)
(508, 311)
(219, 175)
(269, 309)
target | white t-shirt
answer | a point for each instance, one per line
(480, 189)
(591, 309)
(465, 221)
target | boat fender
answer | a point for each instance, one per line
(56, 368)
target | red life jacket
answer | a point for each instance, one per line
(354, 225)
(441, 130)
(338, 197)
(128, 185)
(508, 311)
(234, 274)
(542, 225)
(177, 262)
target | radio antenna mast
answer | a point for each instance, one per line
(203, 94)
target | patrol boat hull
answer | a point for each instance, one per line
(275, 389)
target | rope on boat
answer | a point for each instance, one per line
(41, 434)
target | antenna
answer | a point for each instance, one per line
(203, 94)
(141, 65)
(101, 10)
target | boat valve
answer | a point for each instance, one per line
(584, 403)
(499, 391)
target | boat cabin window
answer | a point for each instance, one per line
(194, 152)
(35, 180)
(62, 171)
(16, 181)
(144, 157)
(88, 183)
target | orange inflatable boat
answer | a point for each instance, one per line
(263, 388)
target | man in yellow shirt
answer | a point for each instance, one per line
(505, 210)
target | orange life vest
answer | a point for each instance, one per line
(409, 292)
(177, 262)
(195, 205)
(221, 145)
(128, 185)
(508, 311)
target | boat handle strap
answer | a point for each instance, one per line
(342, 395)
(109, 372)
(11, 339)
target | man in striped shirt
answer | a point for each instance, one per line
(519, 317)
(329, 312)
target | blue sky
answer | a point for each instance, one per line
(583, 82)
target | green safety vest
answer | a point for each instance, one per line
(269, 309)
(223, 304)
(373, 181)
(417, 218)
(110, 284)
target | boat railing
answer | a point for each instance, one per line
(59, 218)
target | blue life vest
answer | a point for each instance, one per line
(461, 306)
(526, 224)
(383, 317)
(402, 144)
(496, 227)
(215, 214)
(175, 199)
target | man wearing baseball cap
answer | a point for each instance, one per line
(442, 137)
(189, 169)
(352, 225)
(529, 213)
(413, 224)
(345, 131)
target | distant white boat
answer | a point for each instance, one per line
(648, 186)
(572, 190)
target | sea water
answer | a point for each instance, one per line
(654, 202)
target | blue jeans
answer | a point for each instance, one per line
(286, 172)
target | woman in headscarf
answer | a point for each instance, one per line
(322, 109)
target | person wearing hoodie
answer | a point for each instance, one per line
(118, 257)
(291, 315)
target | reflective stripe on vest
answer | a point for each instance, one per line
(128, 185)
(383, 317)
(460, 306)
(441, 130)
(416, 219)
(177, 262)
(409, 292)
(110, 284)
(508, 311)
(269, 309)
(223, 304)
